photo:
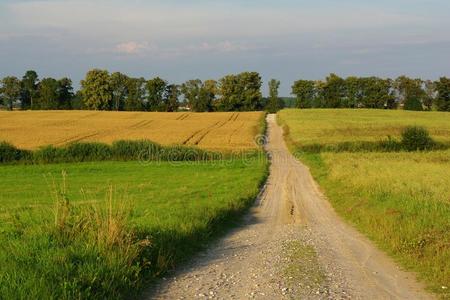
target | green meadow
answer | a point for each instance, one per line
(103, 229)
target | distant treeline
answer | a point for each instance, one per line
(101, 90)
(373, 92)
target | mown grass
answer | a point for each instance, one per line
(117, 224)
(399, 199)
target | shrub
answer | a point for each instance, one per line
(48, 154)
(9, 153)
(413, 104)
(135, 150)
(417, 138)
(79, 152)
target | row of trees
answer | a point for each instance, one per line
(101, 90)
(30, 93)
(373, 92)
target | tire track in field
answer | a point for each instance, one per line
(141, 124)
(185, 116)
(233, 118)
(234, 132)
(182, 117)
(76, 138)
(209, 131)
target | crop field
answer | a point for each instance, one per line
(401, 200)
(76, 238)
(213, 131)
(332, 126)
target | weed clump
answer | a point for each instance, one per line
(9, 153)
(416, 138)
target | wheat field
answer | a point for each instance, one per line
(223, 131)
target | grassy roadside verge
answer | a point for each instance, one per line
(400, 200)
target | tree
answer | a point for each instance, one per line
(191, 91)
(65, 93)
(199, 95)
(443, 94)
(230, 93)
(48, 94)
(333, 91)
(410, 92)
(171, 97)
(250, 83)
(96, 90)
(119, 88)
(136, 94)
(208, 94)
(304, 91)
(240, 92)
(376, 93)
(430, 94)
(353, 92)
(274, 102)
(28, 91)
(10, 90)
(156, 88)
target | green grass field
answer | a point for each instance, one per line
(112, 224)
(332, 126)
(401, 200)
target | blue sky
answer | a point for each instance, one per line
(185, 39)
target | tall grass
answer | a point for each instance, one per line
(141, 150)
(81, 252)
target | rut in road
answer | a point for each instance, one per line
(291, 245)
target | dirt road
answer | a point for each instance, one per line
(292, 245)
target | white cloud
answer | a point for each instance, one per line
(132, 47)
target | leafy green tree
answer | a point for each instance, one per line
(240, 92)
(48, 94)
(319, 94)
(304, 90)
(430, 94)
(199, 95)
(171, 97)
(119, 87)
(376, 93)
(156, 88)
(191, 91)
(96, 90)
(334, 91)
(208, 94)
(274, 101)
(410, 92)
(230, 92)
(10, 91)
(250, 83)
(65, 93)
(353, 92)
(136, 94)
(77, 101)
(29, 85)
(443, 94)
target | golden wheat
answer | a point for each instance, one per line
(215, 131)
